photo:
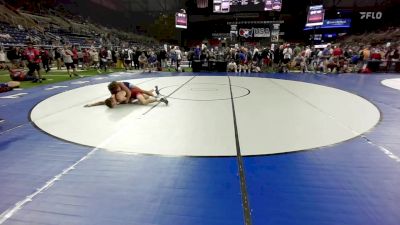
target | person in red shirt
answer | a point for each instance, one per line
(75, 56)
(33, 57)
(337, 51)
(45, 57)
(86, 59)
(376, 55)
(375, 61)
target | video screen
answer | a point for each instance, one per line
(181, 20)
(273, 5)
(221, 6)
(226, 6)
(315, 16)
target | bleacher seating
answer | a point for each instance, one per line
(56, 27)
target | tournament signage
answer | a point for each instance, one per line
(181, 20)
(275, 35)
(276, 26)
(261, 32)
(246, 33)
(256, 22)
(337, 23)
(221, 35)
(233, 31)
(315, 16)
(333, 23)
(371, 15)
(226, 6)
(254, 32)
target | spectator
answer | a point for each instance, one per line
(392, 57)
(57, 57)
(103, 58)
(2, 58)
(69, 62)
(32, 55)
(75, 56)
(287, 56)
(14, 55)
(44, 55)
(86, 58)
(232, 67)
(143, 63)
(94, 55)
(179, 57)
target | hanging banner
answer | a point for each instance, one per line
(256, 32)
(261, 32)
(315, 16)
(181, 20)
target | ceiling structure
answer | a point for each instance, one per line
(153, 5)
(173, 5)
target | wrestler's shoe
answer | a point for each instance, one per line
(157, 91)
(164, 100)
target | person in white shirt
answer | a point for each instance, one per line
(109, 59)
(232, 67)
(287, 57)
(178, 57)
(68, 61)
(94, 55)
(127, 56)
(2, 58)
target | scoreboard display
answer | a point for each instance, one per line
(316, 15)
(181, 20)
(226, 6)
(273, 5)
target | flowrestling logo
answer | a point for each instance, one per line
(371, 15)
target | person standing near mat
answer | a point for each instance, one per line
(69, 62)
(33, 57)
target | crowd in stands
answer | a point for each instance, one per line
(58, 27)
(62, 39)
(38, 59)
(329, 58)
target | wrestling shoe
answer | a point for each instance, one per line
(164, 100)
(157, 91)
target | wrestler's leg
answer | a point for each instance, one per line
(145, 99)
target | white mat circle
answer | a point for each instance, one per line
(277, 116)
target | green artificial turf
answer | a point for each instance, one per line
(51, 77)
(55, 76)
